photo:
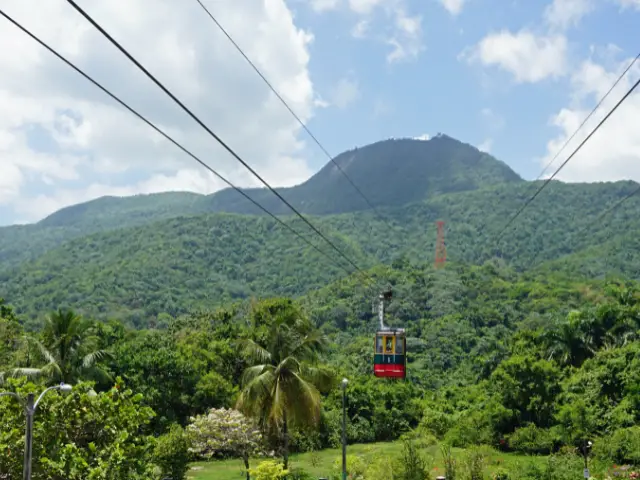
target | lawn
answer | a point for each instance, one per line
(320, 464)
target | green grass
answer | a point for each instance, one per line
(320, 464)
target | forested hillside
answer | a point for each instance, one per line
(531, 365)
(174, 265)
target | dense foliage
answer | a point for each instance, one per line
(140, 258)
(174, 266)
(532, 345)
(522, 364)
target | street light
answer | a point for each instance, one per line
(344, 428)
(29, 410)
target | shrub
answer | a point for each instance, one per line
(413, 463)
(501, 474)
(171, 453)
(475, 464)
(533, 440)
(356, 468)
(623, 446)
(450, 467)
(381, 468)
(269, 470)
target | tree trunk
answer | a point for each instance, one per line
(245, 458)
(285, 434)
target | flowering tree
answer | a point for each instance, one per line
(225, 433)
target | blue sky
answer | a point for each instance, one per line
(439, 92)
(514, 78)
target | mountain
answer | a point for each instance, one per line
(390, 173)
(148, 255)
(201, 261)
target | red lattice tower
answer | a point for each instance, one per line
(441, 249)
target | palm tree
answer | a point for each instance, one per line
(70, 349)
(567, 341)
(281, 388)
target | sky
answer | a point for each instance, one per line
(513, 77)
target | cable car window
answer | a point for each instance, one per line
(388, 348)
(378, 344)
(399, 346)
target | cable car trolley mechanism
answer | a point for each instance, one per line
(389, 359)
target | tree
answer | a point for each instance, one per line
(567, 342)
(10, 334)
(281, 386)
(171, 453)
(225, 433)
(79, 436)
(70, 349)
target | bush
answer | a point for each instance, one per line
(532, 440)
(356, 468)
(414, 465)
(381, 468)
(475, 464)
(501, 474)
(269, 470)
(171, 453)
(623, 446)
(436, 422)
(450, 466)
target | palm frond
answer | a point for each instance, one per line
(27, 372)
(257, 394)
(323, 378)
(255, 352)
(252, 372)
(303, 400)
(93, 358)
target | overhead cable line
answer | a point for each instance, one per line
(165, 135)
(284, 102)
(620, 77)
(216, 137)
(578, 148)
(590, 224)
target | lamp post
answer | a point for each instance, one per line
(29, 411)
(344, 428)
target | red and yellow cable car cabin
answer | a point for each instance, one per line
(390, 358)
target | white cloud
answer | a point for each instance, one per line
(454, 7)
(424, 137)
(566, 13)
(345, 93)
(324, 5)
(613, 152)
(386, 22)
(486, 146)
(56, 129)
(629, 3)
(528, 57)
(407, 39)
(360, 29)
(364, 6)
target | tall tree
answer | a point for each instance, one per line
(69, 347)
(281, 387)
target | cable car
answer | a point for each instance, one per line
(390, 359)
(390, 346)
